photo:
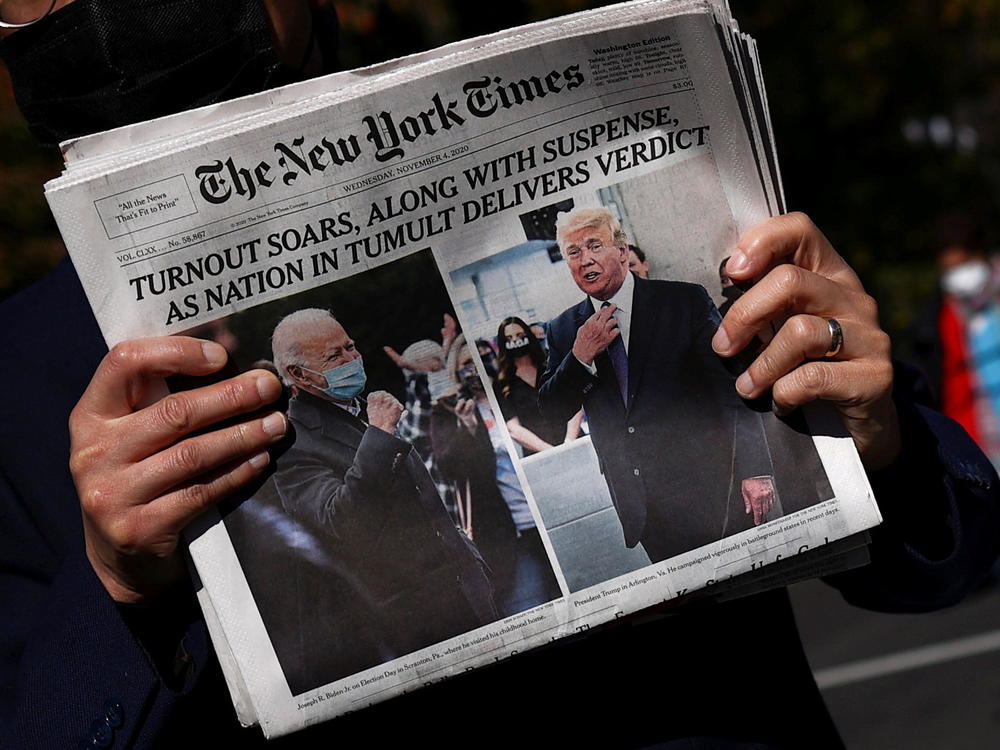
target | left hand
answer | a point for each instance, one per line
(814, 285)
(758, 497)
(465, 410)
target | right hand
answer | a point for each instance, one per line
(384, 411)
(595, 335)
(141, 472)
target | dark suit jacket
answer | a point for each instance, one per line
(468, 460)
(674, 457)
(380, 569)
(67, 653)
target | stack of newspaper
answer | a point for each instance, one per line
(497, 183)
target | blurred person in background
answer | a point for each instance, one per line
(637, 262)
(957, 339)
(538, 331)
(489, 356)
(521, 363)
(471, 451)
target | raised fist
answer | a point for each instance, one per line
(384, 411)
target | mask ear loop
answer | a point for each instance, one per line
(9, 25)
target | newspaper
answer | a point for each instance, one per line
(420, 198)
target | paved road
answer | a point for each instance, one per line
(920, 682)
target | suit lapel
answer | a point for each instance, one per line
(333, 421)
(643, 323)
(581, 312)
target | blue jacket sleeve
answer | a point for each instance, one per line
(940, 502)
(73, 668)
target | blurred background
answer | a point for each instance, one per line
(887, 122)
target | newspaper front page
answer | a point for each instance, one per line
(345, 233)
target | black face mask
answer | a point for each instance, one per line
(517, 347)
(99, 64)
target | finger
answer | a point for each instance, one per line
(794, 238)
(121, 378)
(746, 501)
(180, 414)
(801, 338)
(172, 512)
(605, 313)
(395, 356)
(845, 383)
(204, 454)
(786, 289)
(608, 336)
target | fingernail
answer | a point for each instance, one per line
(260, 460)
(216, 354)
(738, 262)
(268, 388)
(720, 341)
(274, 424)
(744, 385)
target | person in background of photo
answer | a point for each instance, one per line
(425, 380)
(521, 363)
(637, 262)
(489, 356)
(538, 331)
(423, 366)
(471, 451)
(957, 337)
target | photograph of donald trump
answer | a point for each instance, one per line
(686, 461)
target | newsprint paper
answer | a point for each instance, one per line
(446, 209)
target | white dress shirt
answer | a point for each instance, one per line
(622, 300)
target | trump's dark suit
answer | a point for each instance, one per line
(674, 456)
(350, 553)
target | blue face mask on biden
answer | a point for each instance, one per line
(345, 382)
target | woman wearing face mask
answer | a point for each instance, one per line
(470, 451)
(521, 363)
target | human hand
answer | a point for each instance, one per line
(758, 497)
(596, 334)
(384, 411)
(814, 286)
(449, 332)
(428, 364)
(141, 471)
(465, 410)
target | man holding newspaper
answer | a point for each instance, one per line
(101, 642)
